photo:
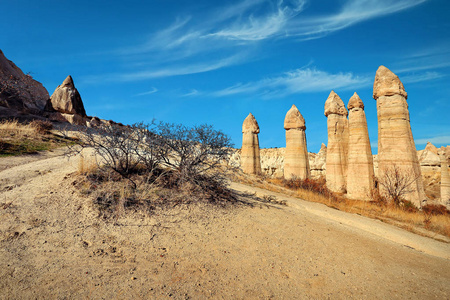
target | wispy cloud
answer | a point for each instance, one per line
(422, 77)
(295, 82)
(352, 12)
(193, 92)
(152, 91)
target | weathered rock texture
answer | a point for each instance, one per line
(18, 91)
(318, 162)
(337, 150)
(360, 176)
(296, 163)
(445, 178)
(250, 158)
(65, 105)
(66, 99)
(395, 140)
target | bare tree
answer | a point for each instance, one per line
(397, 183)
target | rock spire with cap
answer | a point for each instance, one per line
(250, 157)
(360, 173)
(296, 162)
(395, 140)
(337, 149)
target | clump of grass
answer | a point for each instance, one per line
(18, 138)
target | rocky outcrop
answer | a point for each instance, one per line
(337, 150)
(20, 92)
(66, 105)
(318, 162)
(445, 178)
(360, 176)
(296, 163)
(250, 157)
(395, 140)
(66, 99)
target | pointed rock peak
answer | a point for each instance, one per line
(68, 82)
(432, 148)
(250, 124)
(387, 84)
(335, 105)
(323, 148)
(294, 119)
(355, 102)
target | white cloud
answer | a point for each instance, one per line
(421, 77)
(193, 92)
(152, 91)
(295, 82)
(352, 12)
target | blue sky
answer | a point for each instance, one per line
(213, 62)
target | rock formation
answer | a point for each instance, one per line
(296, 163)
(395, 140)
(337, 150)
(67, 103)
(318, 164)
(250, 158)
(360, 176)
(445, 177)
(20, 92)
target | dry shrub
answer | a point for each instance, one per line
(14, 129)
(41, 127)
(86, 165)
(316, 186)
(435, 209)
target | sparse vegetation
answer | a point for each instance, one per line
(144, 165)
(17, 138)
(396, 184)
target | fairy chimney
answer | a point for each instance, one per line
(296, 162)
(360, 174)
(445, 178)
(337, 148)
(395, 140)
(250, 158)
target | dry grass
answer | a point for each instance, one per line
(437, 220)
(86, 165)
(18, 138)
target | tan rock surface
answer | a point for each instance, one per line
(318, 162)
(250, 156)
(66, 98)
(54, 245)
(337, 149)
(296, 162)
(445, 178)
(395, 140)
(360, 178)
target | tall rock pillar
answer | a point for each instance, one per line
(296, 162)
(250, 158)
(395, 140)
(445, 178)
(360, 174)
(337, 149)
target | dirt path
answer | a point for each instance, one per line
(54, 245)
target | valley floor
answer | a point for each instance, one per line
(53, 245)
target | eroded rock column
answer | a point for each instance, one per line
(296, 162)
(250, 158)
(445, 178)
(337, 149)
(395, 140)
(360, 175)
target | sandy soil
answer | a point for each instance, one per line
(53, 245)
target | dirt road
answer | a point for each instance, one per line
(54, 245)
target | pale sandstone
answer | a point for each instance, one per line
(66, 98)
(445, 178)
(296, 163)
(395, 140)
(318, 162)
(250, 157)
(337, 150)
(360, 178)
